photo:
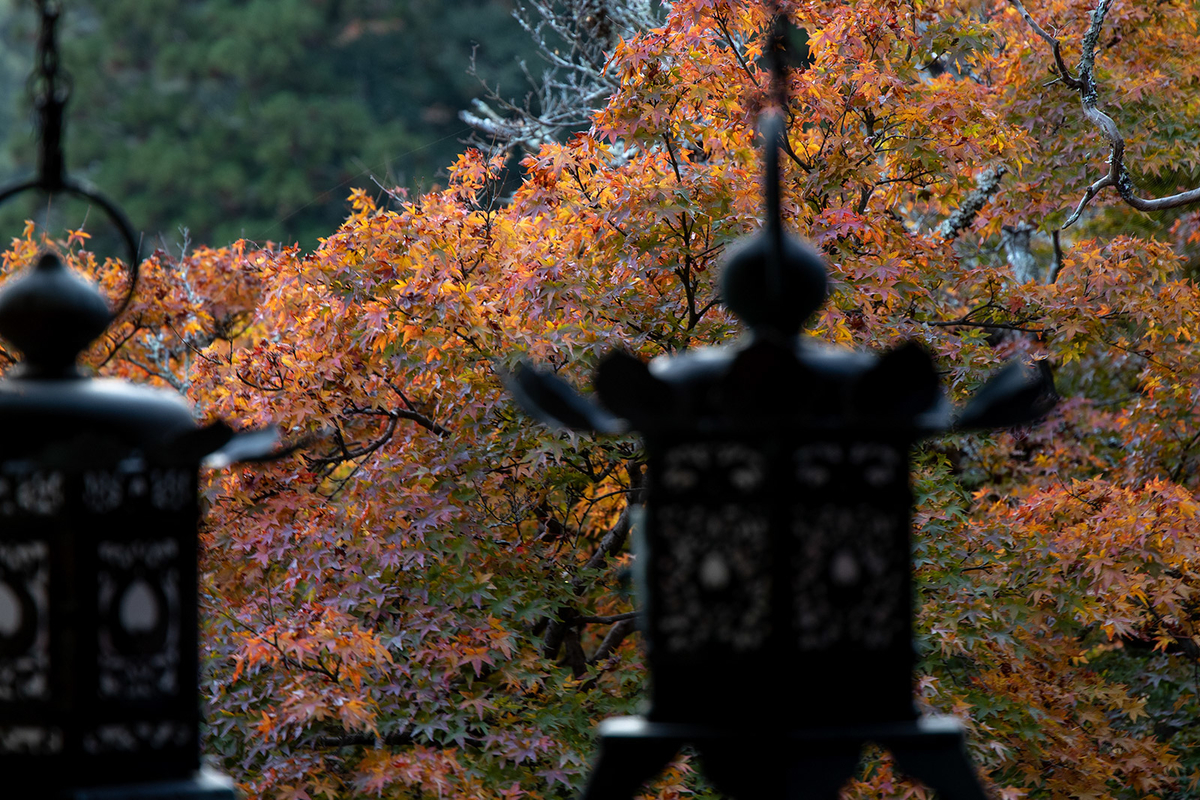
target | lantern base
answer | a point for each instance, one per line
(207, 784)
(786, 763)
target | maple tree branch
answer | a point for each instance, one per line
(616, 634)
(259, 387)
(285, 659)
(965, 323)
(609, 545)
(367, 739)
(556, 632)
(987, 183)
(558, 629)
(612, 541)
(1181, 643)
(402, 413)
(1085, 84)
(1088, 194)
(345, 452)
(595, 206)
(671, 156)
(1055, 45)
(137, 328)
(154, 372)
(573, 654)
(608, 620)
(723, 25)
(1185, 448)
(786, 146)
(1056, 265)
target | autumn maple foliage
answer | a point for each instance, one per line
(426, 597)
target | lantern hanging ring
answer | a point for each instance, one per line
(50, 88)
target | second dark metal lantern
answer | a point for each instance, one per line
(773, 550)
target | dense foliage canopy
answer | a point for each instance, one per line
(426, 598)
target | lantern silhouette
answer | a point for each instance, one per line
(98, 549)
(99, 694)
(772, 552)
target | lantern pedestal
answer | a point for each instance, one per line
(750, 762)
(207, 784)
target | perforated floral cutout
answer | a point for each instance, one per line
(24, 623)
(139, 602)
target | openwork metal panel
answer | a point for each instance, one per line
(849, 540)
(98, 618)
(24, 621)
(139, 608)
(711, 552)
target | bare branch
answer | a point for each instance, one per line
(402, 413)
(1063, 73)
(616, 634)
(1118, 174)
(1055, 267)
(573, 655)
(568, 617)
(609, 620)
(989, 326)
(574, 38)
(1091, 192)
(1015, 241)
(368, 739)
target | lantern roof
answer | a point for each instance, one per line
(771, 280)
(51, 315)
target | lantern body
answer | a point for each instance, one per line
(98, 561)
(774, 552)
(98, 628)
(776, 579)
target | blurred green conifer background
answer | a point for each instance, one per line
(254, 118)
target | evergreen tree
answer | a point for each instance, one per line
(255, 118)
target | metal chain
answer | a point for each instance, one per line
(50, 88)
(777, 55)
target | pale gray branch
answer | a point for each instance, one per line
(574, 39)
(987, 183)
(1091, 192)
(1055, 45)
(1015, 241)
(1118, 173)
(1056, 266)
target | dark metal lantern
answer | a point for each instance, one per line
(98, 549)
(773, 552)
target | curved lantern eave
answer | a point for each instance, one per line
(1016, 394)
(94, 408)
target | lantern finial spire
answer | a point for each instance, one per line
(772, 280)
(50, 87)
